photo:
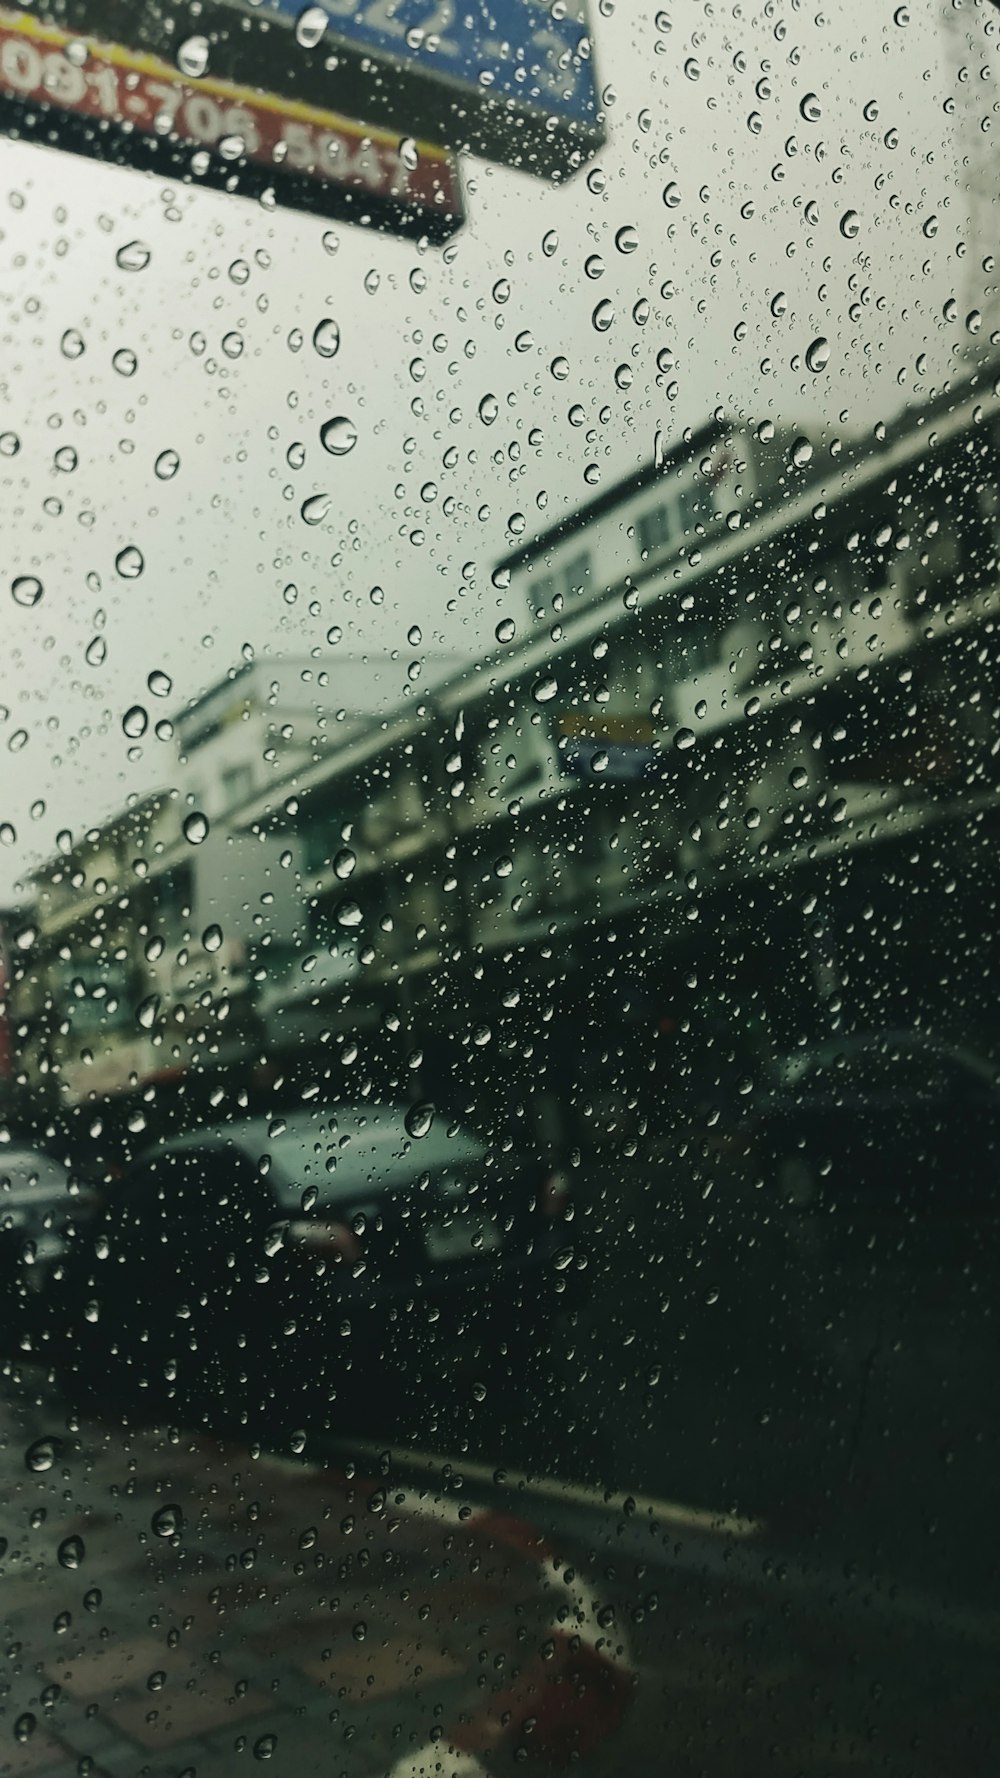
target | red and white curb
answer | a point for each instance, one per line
(576, 1685)
(574, 1689)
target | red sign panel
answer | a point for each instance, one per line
(122, 105)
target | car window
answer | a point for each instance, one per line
(499, 817)
(345, 1147)
(879, 1071)
(193, 1196)
(30, 1175)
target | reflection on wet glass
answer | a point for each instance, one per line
(499, 1075)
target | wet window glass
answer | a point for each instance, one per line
(499, 1052)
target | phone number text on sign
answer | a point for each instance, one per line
(115, 86)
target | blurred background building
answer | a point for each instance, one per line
(758, 678)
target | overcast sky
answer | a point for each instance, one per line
(740, 275)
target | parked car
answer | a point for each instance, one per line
(886, 1131)
(41, 1207)
(877, 1158)
(302, 1263)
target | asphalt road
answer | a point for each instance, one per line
(173, 1600)
(854, 1418)
(848, 1411)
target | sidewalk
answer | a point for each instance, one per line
(177, 1607)
(171, 1604)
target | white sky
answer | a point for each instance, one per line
(222, 539)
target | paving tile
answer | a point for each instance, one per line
(266, 1619)
(99, 1671)
(395, 1666)
(40, 1751)
(164, 1721)
(305, 1639)
(461, 1600)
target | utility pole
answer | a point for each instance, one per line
(972, 59)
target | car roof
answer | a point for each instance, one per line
(793, 1066)
(29, 1173)
(372, 1138)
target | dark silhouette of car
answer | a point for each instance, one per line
(299, 1265)
(884, 1136)
(42, 1206)
(877, 1165)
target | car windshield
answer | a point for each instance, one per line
(24, 1174)
(345, 1147)
(499, 836)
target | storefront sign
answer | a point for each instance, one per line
(82, 90)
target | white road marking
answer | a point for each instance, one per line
(665, 1512)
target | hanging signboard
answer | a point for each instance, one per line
(74, 84)
(512, 80)
(607, 747)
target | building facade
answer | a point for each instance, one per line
(744, 713)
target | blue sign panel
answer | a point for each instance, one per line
(609, 760)
(116, 83)
(500, 58)
(511, 80)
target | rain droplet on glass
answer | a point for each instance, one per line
(818, 354)
(70, 1552)
(192, 57)
(129, 562)
(418, 1121)
(338, 436)
(42, 1454)
(146, 1011)
(133, 257)
(195, 827)
(167, 1521)
(310, 26)
(326, 338)
(26, 590)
